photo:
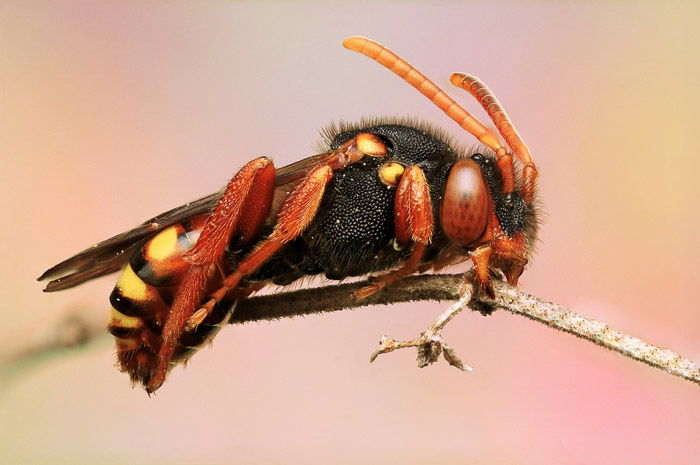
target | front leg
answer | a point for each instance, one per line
(413, 223)
(481, 258)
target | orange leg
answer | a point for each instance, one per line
(238, 293)
(413, 222)
(481, 257)
(451, 256)
(297, 211)
(510, 256)
(253, 187)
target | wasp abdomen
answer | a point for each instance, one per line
(159, 262)
(142, 297)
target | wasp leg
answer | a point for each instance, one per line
(451, 256)
(254, 185)
(238, 293)
(481, 257)
(196, 319)
(413, 222)
(510, 256)
(297, 211)
(149, 339)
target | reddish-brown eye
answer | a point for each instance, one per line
(464, 207)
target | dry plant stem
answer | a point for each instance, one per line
(74, 330)
(450, 287)
(413, 288)
(516, 301)
(431, 343)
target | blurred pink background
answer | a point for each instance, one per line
(113, 112)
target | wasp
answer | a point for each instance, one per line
(386, 197)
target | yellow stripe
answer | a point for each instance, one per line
(123, 321)
(163, 245)
(124, 345)
(133, 288)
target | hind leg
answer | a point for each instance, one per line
(242, 208)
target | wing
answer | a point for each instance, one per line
(110, 255)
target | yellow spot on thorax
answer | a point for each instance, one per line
(390, 173)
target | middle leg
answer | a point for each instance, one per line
(413, 222)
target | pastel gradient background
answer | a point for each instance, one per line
(111, 112)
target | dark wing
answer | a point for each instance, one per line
(110, 255)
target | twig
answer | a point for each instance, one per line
(431, 343)
(74, 330)
(450, 287)
(417, 288)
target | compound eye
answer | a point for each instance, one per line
(390, 174)
(371, 145)
(464, 208)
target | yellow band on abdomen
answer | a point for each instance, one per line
(133, 288)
